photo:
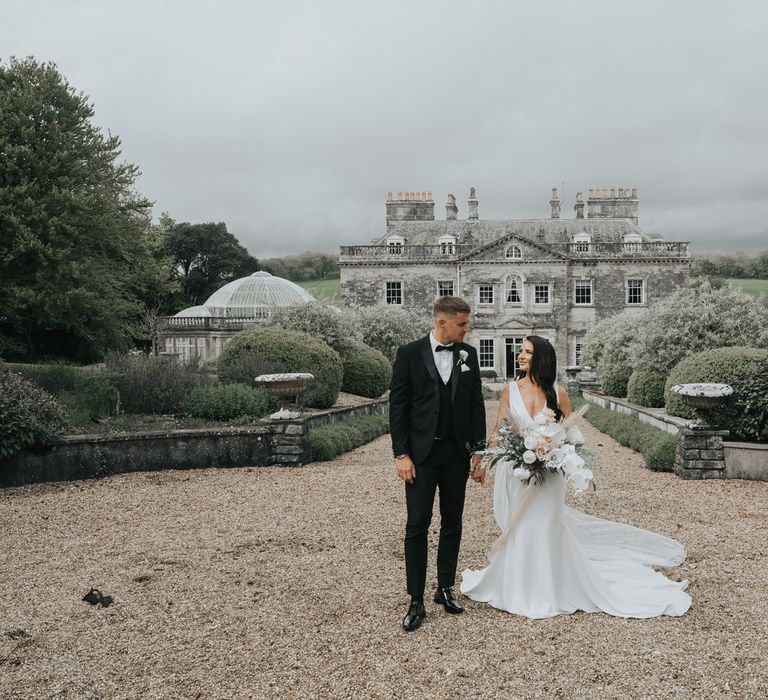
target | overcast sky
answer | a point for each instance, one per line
(290, 121)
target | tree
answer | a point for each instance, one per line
(206, 257)
(74, 246)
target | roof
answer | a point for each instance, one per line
(485, 231)
(255, 296)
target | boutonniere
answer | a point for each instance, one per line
(463, 355)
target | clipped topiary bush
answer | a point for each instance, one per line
(227, 402)
(28, 415)
(329, 441)
(295, 352)
(646, 388)
(745, 412)
(615, 382)
(367, 371)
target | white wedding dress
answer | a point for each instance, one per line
(556, 560)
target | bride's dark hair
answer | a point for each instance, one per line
(543, 370)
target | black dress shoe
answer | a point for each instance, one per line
(445, 597)
(416, 613)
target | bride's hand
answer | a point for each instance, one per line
(477, 468)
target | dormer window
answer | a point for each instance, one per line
(513, 253)
(395, 245)
(447, 245)
(582, 242)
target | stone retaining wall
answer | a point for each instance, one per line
(263, 443)
(700, 455)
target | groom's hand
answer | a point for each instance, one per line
(476, 470)
(406, 469)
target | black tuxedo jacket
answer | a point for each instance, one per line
(414, 400)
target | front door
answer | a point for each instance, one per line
(513, 346)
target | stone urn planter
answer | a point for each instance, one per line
(286, 388)
(702, 398)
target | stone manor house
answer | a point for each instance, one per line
(550, 277)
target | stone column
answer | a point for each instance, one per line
(699, 454)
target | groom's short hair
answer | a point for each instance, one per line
(450, 306)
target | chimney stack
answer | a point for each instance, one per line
(451, 210)
(579, 206)
(409, 206)
(555, 203)
(472, 204)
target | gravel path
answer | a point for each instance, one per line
(289, 583)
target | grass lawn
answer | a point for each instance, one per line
(323, 290)
(750, 286)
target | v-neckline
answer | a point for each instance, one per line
(522, 403)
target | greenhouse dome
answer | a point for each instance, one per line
(194, 312)
(255, 296)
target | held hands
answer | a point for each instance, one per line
(477, 469)
(406, 469)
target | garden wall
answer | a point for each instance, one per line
(743, 460)
(263, 443)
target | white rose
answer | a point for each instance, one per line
(521, 473)
(531, 442)
(463, 354)
(575, 436)
(529, 457)
(572, 463)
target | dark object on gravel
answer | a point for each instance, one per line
(94, 597)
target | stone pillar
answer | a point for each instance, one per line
(555, 203)
(699, 454)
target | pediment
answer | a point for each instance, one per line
(529, 250)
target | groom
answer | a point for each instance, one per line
(437, 421)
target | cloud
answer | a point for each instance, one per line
(290, 121)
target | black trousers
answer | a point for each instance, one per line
(447, 469)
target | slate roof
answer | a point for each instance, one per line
(485, 231)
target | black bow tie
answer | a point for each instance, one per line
(440, 348)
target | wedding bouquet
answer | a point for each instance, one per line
(548, 446)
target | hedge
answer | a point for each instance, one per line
(227, 402)
(745, 412)
(615, 382)
(329, 441)
(29, 415)
(367, 371)
(84, 392)
(646, 388)
(294, 352)
(657, 446)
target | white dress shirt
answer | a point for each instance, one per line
(443, 360)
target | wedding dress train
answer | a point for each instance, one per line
(556, 560)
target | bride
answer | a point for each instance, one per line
(552, 559)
